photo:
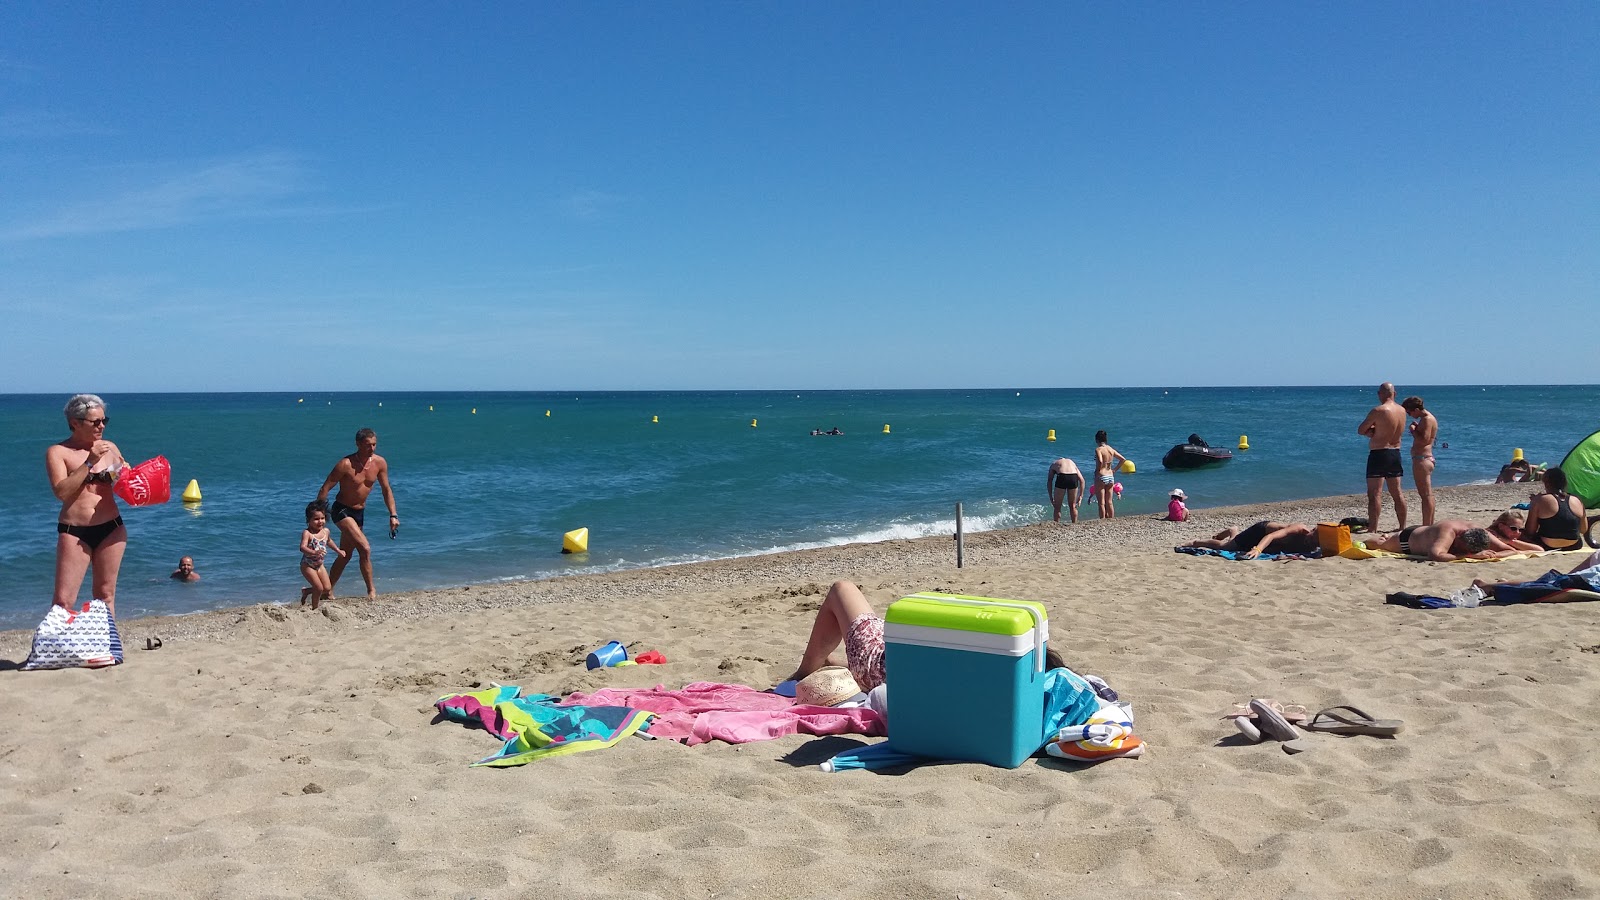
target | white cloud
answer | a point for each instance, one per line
(246, 187)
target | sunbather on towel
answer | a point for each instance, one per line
(1588, 571)
(847, 617)
(1445, 541)
(1508, 527)
(1262, 537)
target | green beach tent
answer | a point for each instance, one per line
(1582, 465)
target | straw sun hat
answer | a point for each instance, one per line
(827, 686)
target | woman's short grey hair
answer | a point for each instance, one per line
(80, 404)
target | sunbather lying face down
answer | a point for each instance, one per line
(846, 617)
(1262, 537)
(1445, 541)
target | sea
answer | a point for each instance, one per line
(487, 483)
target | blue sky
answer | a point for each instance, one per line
(325, 196)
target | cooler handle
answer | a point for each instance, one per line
(1038, 620)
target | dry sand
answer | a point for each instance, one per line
(271, 751)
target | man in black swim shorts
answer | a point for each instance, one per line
(1383, 428)
(1063, 482)
(355, 475)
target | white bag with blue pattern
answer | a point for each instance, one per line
(67, 639)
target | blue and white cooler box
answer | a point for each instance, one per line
(968, 677)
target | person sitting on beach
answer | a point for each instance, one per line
(1508, 527)
(1555, 518)
(1445, 541)
(1176, 511)
(1262, 537)
(1517, 470)
(846, 617)
(185, 571)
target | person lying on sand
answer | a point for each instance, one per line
(847, 617)
(1445, 541)
(1508, 527)
(1262, 537)
(1588, 570)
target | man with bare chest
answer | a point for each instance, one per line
(1382, 428)
(355, 475)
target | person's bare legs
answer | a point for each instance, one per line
(1103, 495)
(1422, 474)
(1074, 497)
(72, 563)
(1218, 541)
(1056, 496)
(844, 604)
(1374, 503)
(107, 563)
(352, 540)
(1393, 484)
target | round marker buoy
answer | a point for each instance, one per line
(752, 423)
(1127, 467)
(575, 541)
(655, 420)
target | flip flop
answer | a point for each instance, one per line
(1292, 712)
(1351, 720)
(1273, 725)
(152, 643)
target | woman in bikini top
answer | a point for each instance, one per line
(89, 530)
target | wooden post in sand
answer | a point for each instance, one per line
(960, 541)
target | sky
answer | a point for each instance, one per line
(670, 195)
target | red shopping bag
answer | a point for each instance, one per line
(146, 484)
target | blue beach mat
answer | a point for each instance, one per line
(1230, 554)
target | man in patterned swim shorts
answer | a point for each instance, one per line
(846, 617)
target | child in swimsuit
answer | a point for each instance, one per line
(314, 547)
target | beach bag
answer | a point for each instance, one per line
(67, 639)
(146, 484)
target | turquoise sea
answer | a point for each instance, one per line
(487, 483)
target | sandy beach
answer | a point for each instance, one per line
(272, 751)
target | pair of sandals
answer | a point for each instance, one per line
(1264, 719)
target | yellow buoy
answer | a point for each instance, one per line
(886, 428)
(1516, 454)
(1244, 442)
(474, 410)
(1127, 467)
(430, 407)
(191, 494)
(752, 423)
(655, 420)
(301, 400)
(575, 541)
(547, 414)
(1051, 437)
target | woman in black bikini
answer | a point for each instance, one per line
(1555, 518)
(89, 531)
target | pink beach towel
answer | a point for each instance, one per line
(737, 714)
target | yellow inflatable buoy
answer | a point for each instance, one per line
(1516, 454)
(474, 410)
(575, 541)
(655, 420)
(430, 407)
(1051, 437)
(1127, 467)
(752, 423)
(547, 414)
(191, 494)
(1244, 442)
(886, 428)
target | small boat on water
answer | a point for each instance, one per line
(1194, 454)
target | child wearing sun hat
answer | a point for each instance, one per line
(1176, 511)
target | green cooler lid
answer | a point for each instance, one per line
(935, 610)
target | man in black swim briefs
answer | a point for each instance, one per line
(355, 475)
(1064, 483)
(1445, 541)
(1383, 428)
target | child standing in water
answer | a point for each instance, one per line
(314, 547)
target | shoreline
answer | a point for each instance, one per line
(266, 751)
(1137, 533)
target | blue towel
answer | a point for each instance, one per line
(1229, 554)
